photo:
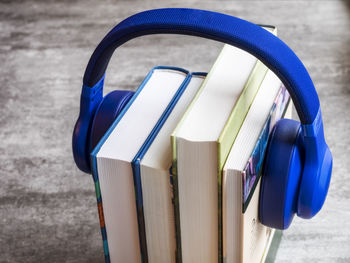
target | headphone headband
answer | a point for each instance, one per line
(274, 53)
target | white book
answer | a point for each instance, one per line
(157, 187)
(113, 156)
(201, 141)
(245, 239)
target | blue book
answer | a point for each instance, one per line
(151, 167)
(118, 192)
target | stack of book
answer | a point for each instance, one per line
(177, 175)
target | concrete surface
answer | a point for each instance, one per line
(47, 206)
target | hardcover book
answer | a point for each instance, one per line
(112, 157)
(151, 167)
(245, 239)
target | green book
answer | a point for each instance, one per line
(201, 143)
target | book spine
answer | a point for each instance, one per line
(252, 170)
(139, 206)
(174, 180)
(100, 210)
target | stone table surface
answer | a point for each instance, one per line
(47, 206)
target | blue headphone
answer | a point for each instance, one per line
(298, 164)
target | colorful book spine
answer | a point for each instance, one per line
(252, 170)
(101, 218)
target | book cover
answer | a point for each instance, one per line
(252, 171)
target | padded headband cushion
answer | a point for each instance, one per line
(231, 30)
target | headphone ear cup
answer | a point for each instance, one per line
(108, 110)
(282, 174)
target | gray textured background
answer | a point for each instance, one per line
(48, 207)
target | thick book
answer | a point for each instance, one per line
(112, 157)
(151, 167)
(201, 143)
(245, 239)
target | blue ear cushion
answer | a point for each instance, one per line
(108, 110)
(281, 175)
(314, 187)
